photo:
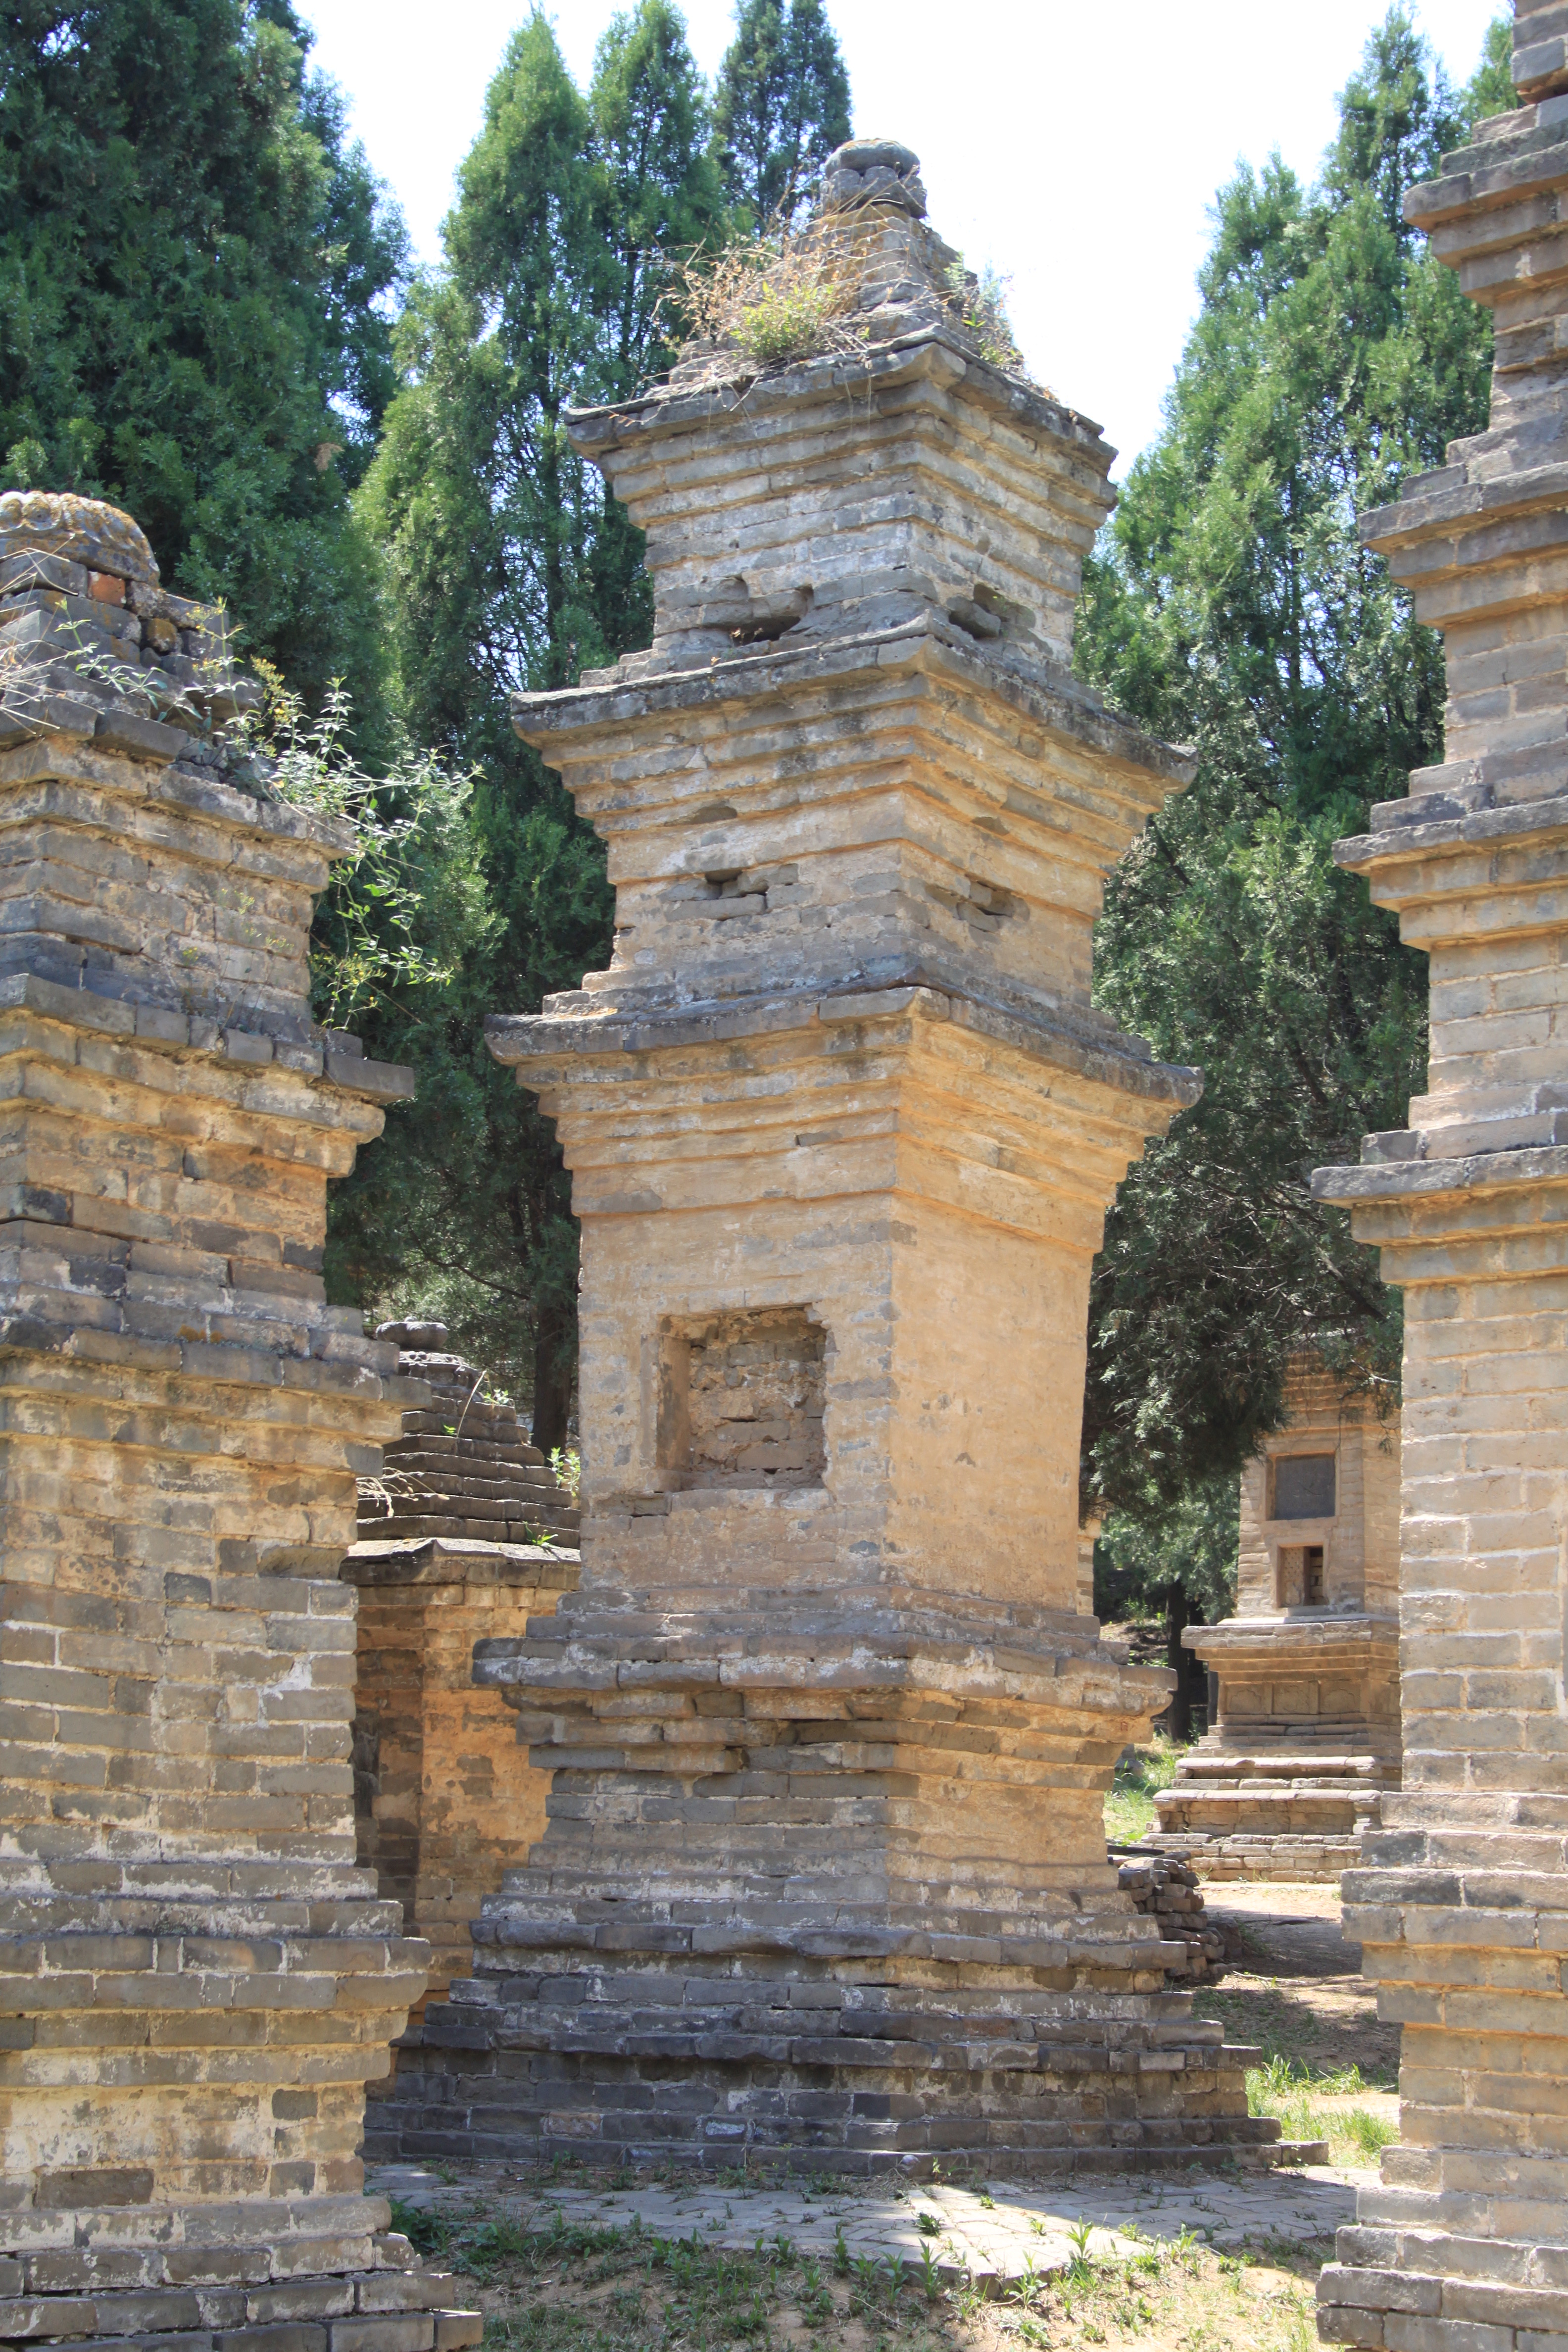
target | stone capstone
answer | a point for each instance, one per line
(44, 526)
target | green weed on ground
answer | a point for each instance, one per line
(566, 2288)
(1315, 2105)
(1130, 1804)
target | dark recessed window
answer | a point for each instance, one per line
(1304, 1487)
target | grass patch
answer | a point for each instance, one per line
(1130, 1802)
(1311, 2106)
(579, 2289)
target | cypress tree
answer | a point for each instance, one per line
(1232, 606)
(508, 568)
(193, 262)
(781, 106)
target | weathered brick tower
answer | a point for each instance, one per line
(825, 1872)
(194, 1979)
(1462, 1903)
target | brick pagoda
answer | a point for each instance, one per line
(824, 1873)
(1461, 1905)
(1305, 1739)
(196, 1978)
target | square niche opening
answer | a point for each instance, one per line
(1303, 1487)
(741, 1396)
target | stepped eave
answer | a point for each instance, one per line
(932, 354)
(1053, 700)
(1112, 1059)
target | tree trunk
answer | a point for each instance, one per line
(1183, 1663)
(551, 1385)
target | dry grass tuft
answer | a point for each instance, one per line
(777, 297)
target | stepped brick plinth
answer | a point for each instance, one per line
(195, 1977)
(1461, 1904)
(824, 1873)
(445, 1799)
(1305, 1739)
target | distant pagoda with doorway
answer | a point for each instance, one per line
(1305, 1735)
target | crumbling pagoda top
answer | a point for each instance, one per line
(899, 522)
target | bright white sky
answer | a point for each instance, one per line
(1077, 149)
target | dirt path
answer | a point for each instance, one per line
(1298, 1991)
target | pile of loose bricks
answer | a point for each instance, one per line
(196, 1979)
(1164, 1887)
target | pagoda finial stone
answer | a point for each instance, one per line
(873, 172)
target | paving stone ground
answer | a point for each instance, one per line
(995, 2234)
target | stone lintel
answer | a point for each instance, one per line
(1416, 1180)
(785, 1669)
(445, 1560)
(1436, 827)
(1325, 1635)
(1450, 507)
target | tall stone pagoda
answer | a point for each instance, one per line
(1305, 1738)
(1461, 1905)
(824, 1873)
(196, 1978)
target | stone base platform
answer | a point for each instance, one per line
(1279, 1808)
(822, 2073)
(824, 1888)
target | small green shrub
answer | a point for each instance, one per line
(1371, 2133)
(1130, 1804)
(784, 324)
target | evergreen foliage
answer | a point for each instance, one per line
(507, 569)
(193, 263)
(780, 108)
(1232, 606)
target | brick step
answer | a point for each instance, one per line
(410, 1477)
